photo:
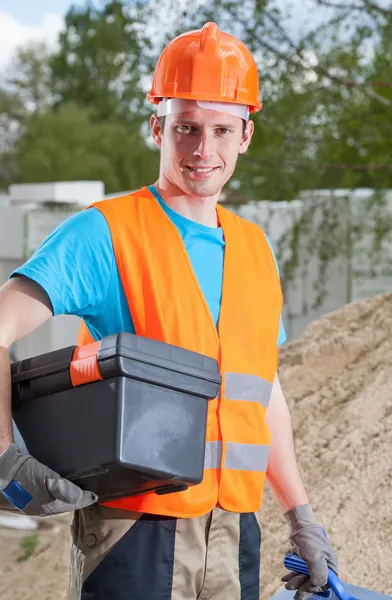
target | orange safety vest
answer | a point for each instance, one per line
(167, 304)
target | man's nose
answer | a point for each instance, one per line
(204, 148)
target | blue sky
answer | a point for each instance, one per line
(32, 12)
(26, 21)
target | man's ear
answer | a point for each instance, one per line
(246, 138)
(156, 130)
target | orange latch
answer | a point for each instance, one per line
(84, 366)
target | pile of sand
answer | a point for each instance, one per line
(44, 575)
(338, 382)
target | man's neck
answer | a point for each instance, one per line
(199, 209)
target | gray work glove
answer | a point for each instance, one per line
(309, 541)
(36, 490)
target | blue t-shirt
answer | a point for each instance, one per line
(76, 267)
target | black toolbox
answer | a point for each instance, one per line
(120, 417)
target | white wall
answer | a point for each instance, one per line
(12, 233)
(277, 219)
(58, 332)
(371, 268)
(4, 199)
(357, 272)
(21, 231)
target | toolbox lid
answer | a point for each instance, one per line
(123, 354)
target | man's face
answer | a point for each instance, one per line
(199, 149)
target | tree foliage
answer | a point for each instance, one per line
(99, 63)
(29, 77)
(326, 84)
(68, 145)
(327, 91)
(79, 112)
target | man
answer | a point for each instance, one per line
(167, 262)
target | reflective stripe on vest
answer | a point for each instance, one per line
(241, 457)
(247, 387)
(213, 455)
(167, 304)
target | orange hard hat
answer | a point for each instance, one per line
(209, 65)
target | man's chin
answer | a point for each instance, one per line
(203, 188)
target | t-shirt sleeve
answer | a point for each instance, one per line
(74, 264)
(282, 333)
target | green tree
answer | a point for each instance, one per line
(12, 114)
(24, 91)
(99, 63)
(322, 93)
(66, 144)
(29, 77)
(78, 113)
(326, 89)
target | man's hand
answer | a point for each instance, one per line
(309, 541)
(35, 489)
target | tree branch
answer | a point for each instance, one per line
(315, 69)
(377, 8)
(338, 5)
(282, 31)
(348, 83)
(308, 164)
(366, 3)
(387, 84)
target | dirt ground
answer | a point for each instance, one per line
(338, 383)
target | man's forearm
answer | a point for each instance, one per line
(283, 474)
(6, 432)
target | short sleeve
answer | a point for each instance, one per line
(74, 264)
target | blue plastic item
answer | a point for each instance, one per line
(17, 495)
(295, 563)
(338, 590)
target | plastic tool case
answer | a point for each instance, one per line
(120, 417)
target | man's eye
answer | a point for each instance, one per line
(223, 130)
(184, 128)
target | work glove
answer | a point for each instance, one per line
(36, 490)
(308, 540)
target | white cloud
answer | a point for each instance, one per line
(14, 34)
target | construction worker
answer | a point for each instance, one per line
(169, 263)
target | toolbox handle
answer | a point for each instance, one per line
(41, 375)
(294, 563)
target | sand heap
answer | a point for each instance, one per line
(338, 382)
